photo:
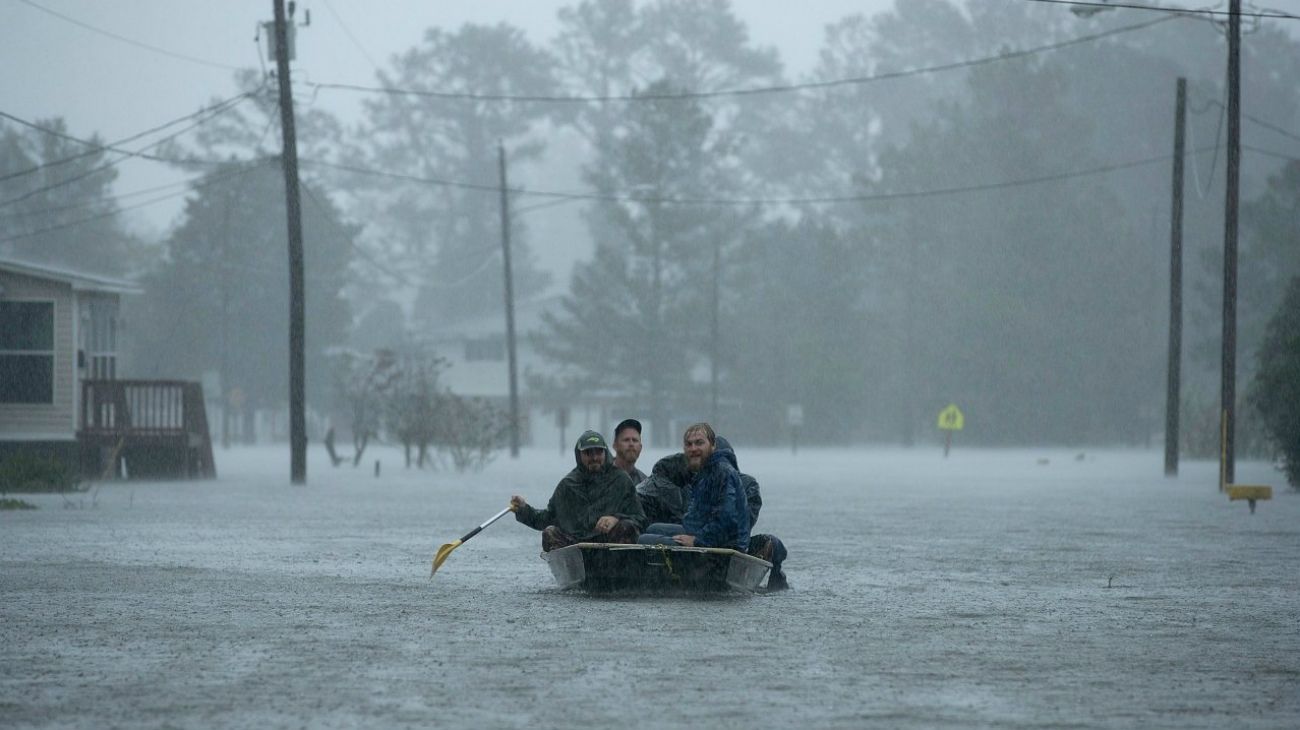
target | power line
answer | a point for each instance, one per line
(93, 203)
(752, 91)
(127, 154)
(1273, 127)
(328, 214)
(1180, 11)
(203, 182)
(96, 148)
(863, 198)
(126, 40)
(346, 31)
(1270, 153)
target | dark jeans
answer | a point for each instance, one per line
(769, 548)
(661, 533)
(625, 533)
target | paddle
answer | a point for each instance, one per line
(445, 551)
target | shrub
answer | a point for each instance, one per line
(1275, 391)
(10, 503)
(29, 473)
(471, 432)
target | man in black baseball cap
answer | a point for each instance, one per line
(594, 502)
(627, 448)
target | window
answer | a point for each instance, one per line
(486, 348)
(26, 352)
(101, 339)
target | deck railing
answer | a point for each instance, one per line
(128, 414)
(138, 407)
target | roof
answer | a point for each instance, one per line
(528, 318)
(78, 280)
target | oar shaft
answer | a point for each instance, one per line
(492, 519)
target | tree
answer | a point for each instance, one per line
(1275, 390)
(650, 267)
(360, 384)
(414, 404)
(1025, 305)
(450, 234)
(56, 202)
(1270, 259)
(218, 298)
(820, 357)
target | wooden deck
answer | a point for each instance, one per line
(145, 428)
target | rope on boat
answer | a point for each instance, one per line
(668, 563)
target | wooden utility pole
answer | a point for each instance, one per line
(1172, 393)
(289, 161)
(510, 304)
(227, 204)
(1228, 383)
(715, 331)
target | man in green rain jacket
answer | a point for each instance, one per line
(596, 502)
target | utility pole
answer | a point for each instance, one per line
(227, 203)
(1228, 384)
(289, 160)
(1172, 394)
(510, 304)
(715, 333)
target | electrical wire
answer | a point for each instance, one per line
(348, 32)
(202, 182)
(129, 41)
(96, 202)
(1214, 161)
(95, 148)
(1270, 153)
(370, 258)
(863, 198)
(752, 91)
(127, 154)
(1181, 11)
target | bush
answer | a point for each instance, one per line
(1275, 391)
(472, 430)
(10, 503)
(27, 473)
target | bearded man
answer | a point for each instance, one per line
(595, 502)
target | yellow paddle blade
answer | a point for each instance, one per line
(443, 553)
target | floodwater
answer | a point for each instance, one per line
(1027, 588)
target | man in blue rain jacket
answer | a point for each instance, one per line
(718, 512)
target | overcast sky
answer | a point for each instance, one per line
(54, 67)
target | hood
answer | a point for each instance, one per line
(723, 454)
(593, 438)
(720, 444)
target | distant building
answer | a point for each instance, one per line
(478, 366)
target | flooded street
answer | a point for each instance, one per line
(1028, 588)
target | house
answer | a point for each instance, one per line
(60, 395)
(478, 366)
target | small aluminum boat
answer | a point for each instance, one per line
(609, 567)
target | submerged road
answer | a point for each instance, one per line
(1012, 589)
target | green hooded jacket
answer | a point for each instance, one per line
(582, 498)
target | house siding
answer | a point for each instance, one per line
(54, 421)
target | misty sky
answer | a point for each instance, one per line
(56, 68)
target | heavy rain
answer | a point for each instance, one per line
(705, 363)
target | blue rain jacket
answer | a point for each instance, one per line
(718, 515)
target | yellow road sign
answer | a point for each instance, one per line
(951, 419)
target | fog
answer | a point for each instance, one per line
(715, 211)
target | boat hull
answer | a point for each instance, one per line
(609, 567)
